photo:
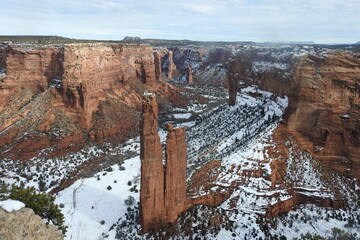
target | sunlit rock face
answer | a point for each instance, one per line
(324, 110)
(68, 94)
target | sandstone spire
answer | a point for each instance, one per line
(189, 76)
(163, 193)
(171, 66)
(157, 63)
(152, 205)
(175, 189)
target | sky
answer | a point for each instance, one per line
(321, 21)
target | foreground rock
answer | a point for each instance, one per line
(24, 224)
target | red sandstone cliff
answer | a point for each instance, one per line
(324, 106)
(171, 65)
(91, 91)
(326, 111)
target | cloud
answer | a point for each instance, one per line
(258, 20)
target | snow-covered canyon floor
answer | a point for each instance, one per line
(105, 205)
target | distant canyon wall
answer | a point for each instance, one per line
(77, 92)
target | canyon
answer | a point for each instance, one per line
(254, 132)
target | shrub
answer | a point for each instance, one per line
(129, 201)
(42, 204)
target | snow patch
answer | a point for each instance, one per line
(11, 205)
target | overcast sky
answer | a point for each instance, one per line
(322, 21)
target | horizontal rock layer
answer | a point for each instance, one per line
(87, 91)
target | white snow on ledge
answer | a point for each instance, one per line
(11, 205)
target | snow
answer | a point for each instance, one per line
(182, 115)
(88, 202)
(238, 136)
(263, 66)
(10, 205)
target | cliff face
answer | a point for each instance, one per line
(24, 224)
(207, 64)
(169, 65)
(325, 114)
(89, 69)
(323, 91)
(75, 92)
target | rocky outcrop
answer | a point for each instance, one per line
(163, 194)
(299, 198)
(171, 67)
(189, 77)
(91, 68)
(24, 224)
(157, 62)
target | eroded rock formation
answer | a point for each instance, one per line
(175, 172)
(24, 224)
(324, 106)
(171, 65)
(152, 194)
(189, 77)
(163, 191)
(163, 195)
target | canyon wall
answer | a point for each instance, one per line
(75, 93)
(323, 90)
(325, 114)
